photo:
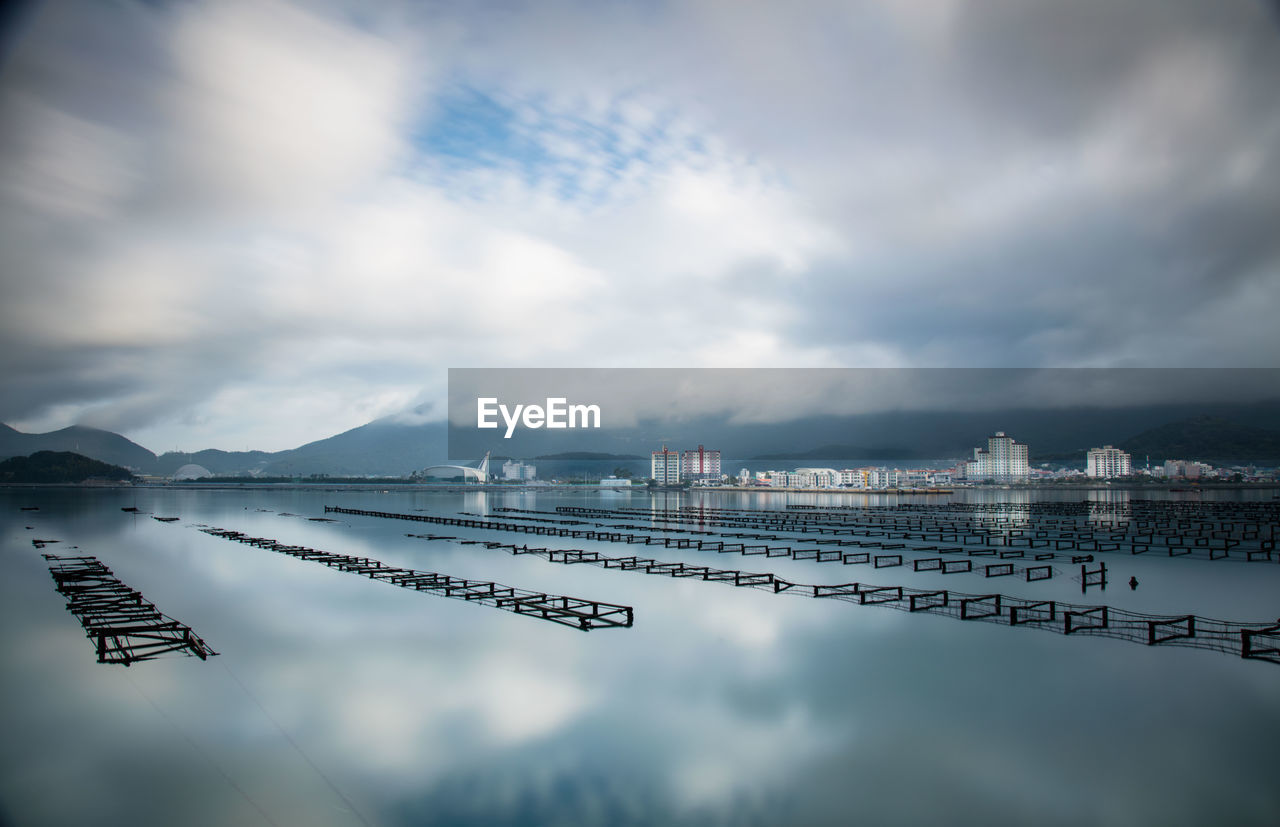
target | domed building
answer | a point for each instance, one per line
(191, 471)
(457, 473)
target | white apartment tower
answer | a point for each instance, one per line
(1003, 460)
(665, 466)
(1107, 462)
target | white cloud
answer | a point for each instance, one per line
(239, 200)
(276, 107)
(66, 166)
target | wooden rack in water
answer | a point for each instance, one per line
(828, 555)
(1260, 641)
(123, 625)
(1216, 531)
(567, 611)
(1255, 641)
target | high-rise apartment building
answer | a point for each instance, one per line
(1107, 462)
(1003, 460)
(665, 467)
(700, 464)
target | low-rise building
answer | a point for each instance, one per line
(820, 477)
(1188, 469)
(882, 478)
(853, 478)
(518, 471)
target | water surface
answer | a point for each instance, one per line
(340, 700)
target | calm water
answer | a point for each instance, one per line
(340, 700)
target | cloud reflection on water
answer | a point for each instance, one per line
(721, 705)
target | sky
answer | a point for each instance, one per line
(255, 224)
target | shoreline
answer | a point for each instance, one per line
(401, 486)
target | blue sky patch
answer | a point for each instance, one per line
(577, 157)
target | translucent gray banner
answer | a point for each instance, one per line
(630, 412)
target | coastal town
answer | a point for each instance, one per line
(1002, 461)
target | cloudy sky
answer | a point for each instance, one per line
(254, 224)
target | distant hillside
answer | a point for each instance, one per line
(586, 455)
(382, 447)
(94, 443)
(388, 447)
(59, 466)
(844, 452)
(1205, 438)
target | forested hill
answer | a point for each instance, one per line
(58, 466)
(1206, 438)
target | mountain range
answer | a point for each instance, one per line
(379, 448)
(387, 447)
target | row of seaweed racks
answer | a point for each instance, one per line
(576, 612)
